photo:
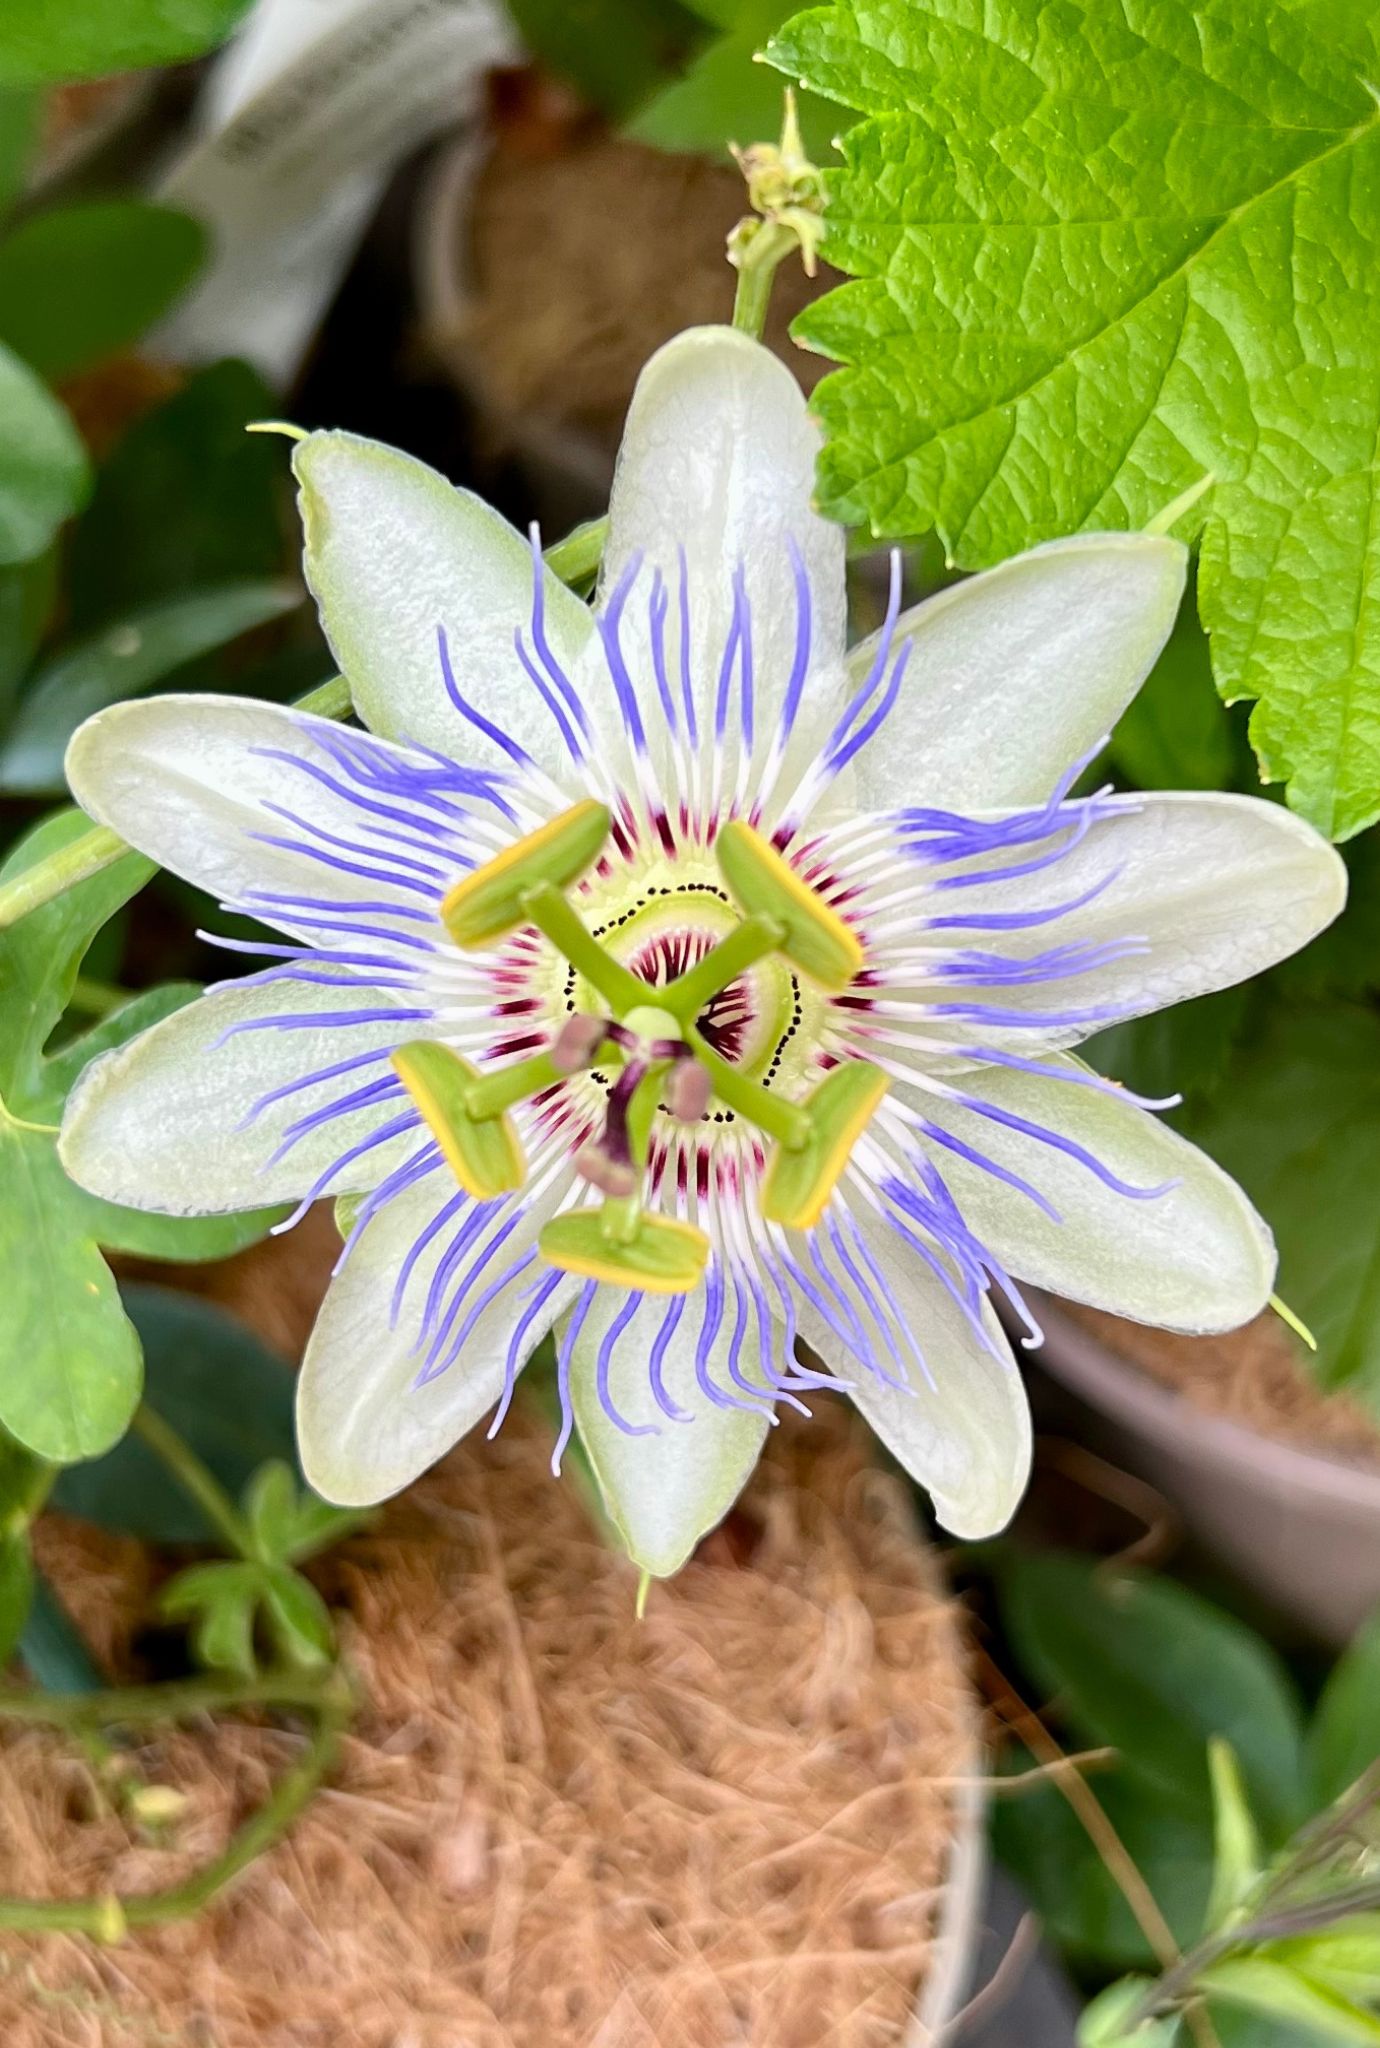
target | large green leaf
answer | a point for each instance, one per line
(1152, 1669)
(27, 591)
(54, 1651)
(43, 472)
(186, 500)
(1344, 1739)
(40, 956)
(124, 660)
(1299, 1126)
(1105, 248)
(19, 110)
(224, 1394)
(72, 1370)
(1040, 1839)
(81, 282)
(72, 1362)
(52, 39)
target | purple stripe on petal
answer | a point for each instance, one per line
(540, 1295)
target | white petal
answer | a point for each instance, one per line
(718, 457)
(664, 1491)
(1197, 1258)
(1218, 887)
(187, 780)
(966, 1436)
(364, 1427)
(394, 552)
(1017, 673)
(155, 1123)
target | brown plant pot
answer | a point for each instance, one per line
(754, 1816)
(1299, 1526)
(551, 260)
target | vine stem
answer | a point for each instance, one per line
(179, 1699)
(107, 1916)
(195, 1478)
(1117, 1859)
(573, 559)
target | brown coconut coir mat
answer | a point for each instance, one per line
(1254, 1376)
(552, 1826)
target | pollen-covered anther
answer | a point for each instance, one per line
(486, 904)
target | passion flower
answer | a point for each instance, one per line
(662, 974)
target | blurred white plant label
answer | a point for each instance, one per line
(302, 119)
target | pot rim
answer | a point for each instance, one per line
(1092, 1367)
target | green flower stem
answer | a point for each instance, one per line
(780, 1119)
(576, 558)
(194, 1478)
(515, 1083)
(182, 1699)
(29, 1499)
(552, 915)
(757, 261)
(95, 851)
(752, 941)
(106, 1918)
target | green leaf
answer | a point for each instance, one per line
(727, 96)
(1040, 1839)
(226, 1396)
(72, 1367)
(1236, 1859)
(41, 955)
(124, 660)
(19, 112)
(1345, 1957)
(186, 500)
(27, 591)
(54, 39)
(220, 1601)
(1103, 249)
(1102, 2024)
(43, 471)
(1299, 1127)
(52, 1647)
(81, 282)
(612, 51)
(270, 1508)
(1149, 1667)
(1344, 1740)
(1281, 1993)
(297, 1618)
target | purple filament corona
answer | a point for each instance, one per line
(360, 842)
